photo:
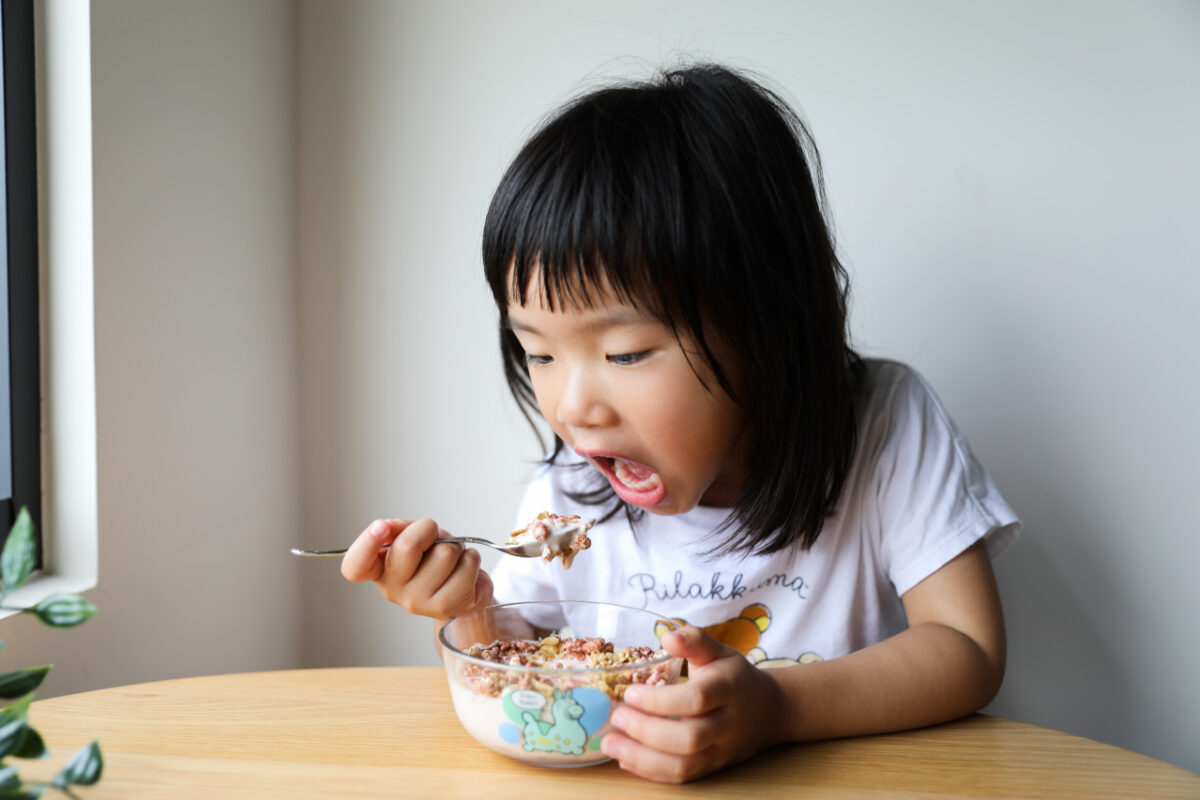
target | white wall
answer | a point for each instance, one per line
(396, 325)
(195, 349)
(1015, 189)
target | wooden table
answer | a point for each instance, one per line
(392, 733)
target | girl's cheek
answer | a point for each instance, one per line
(548, 410)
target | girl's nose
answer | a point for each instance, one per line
(582, 403)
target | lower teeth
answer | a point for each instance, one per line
(626, 477)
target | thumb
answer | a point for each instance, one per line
(696, 646)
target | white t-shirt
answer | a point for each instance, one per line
(915, 497)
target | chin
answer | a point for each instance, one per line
(669, 506)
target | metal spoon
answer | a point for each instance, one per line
(558, 541)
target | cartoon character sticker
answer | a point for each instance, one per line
(574, 716)
(743, 633)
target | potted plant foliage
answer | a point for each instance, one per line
(18, 739)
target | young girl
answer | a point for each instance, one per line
(672, 305)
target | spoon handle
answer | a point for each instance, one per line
(296, 551)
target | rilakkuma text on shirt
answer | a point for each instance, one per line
(678, 588)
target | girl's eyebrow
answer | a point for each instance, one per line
(610, 319)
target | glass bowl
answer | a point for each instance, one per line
(553, 715)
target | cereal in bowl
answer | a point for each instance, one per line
(563, 653)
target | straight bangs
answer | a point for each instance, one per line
(603, 203)
(563, 231)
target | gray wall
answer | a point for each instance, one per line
(293, 336)
(195, 314)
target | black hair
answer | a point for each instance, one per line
(697, 194)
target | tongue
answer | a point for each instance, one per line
(634, 475)
(632, 471)
(637, 483)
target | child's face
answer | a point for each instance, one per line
(615, 384)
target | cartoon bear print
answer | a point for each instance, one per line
(759, 659)
(742, 633)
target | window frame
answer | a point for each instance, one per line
(70, 529)
(21, 238)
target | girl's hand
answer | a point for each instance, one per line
(441, 581)
(727, 711)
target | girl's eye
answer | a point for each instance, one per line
(532, 360)
(628, 359)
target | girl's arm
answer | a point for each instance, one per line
(948, 663)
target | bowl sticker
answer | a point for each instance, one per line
(527, 699)
(564, 727)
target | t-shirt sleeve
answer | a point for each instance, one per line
(517, 579)
(934, 497)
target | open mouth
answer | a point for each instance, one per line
(633, 481)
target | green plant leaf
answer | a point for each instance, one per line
(62, 610)
(84, 768)
(31, 746)
(12, 726)
(19, 554)
(9, 778)
(21, 682)
(23, 792)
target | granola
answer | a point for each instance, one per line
(558, 656)
(546, 523)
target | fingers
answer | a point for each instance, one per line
(414, 550)
(657, 765)
(686, 736)
(679, 732)
(363, 561)
(450, 587)
(689, 699)
(417, 573)
(710, 684)
(695, 645)
(689, 732)
(416, 560)
(483, 590)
